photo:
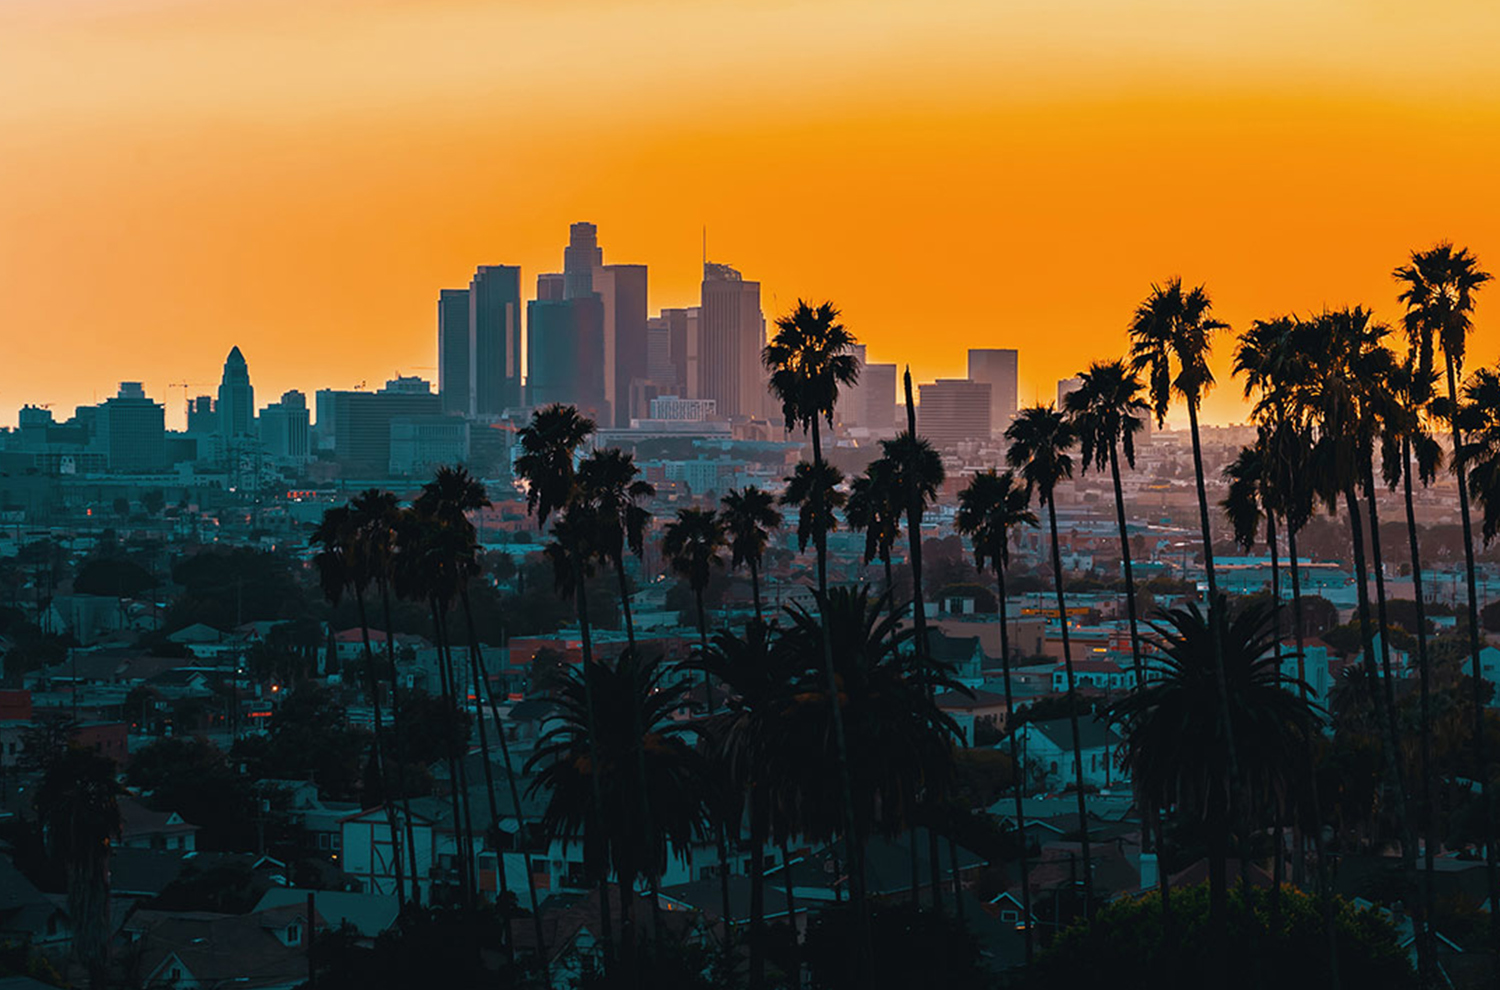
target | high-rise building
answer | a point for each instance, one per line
(580, 258)
(453, 350)
(877, 387)
(421, 444)
(130, 430)
(284, 432)
(622, 290)
(1065, 387)
(565, 353)
(201, 417)
(954, 410)
(495, 340)
(236, 406)
(732, 332)
(549, 286)
(356, 426)
(997, 366)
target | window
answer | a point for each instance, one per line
(1010, 915)
(293, 934)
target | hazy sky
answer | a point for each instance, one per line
(301, 177)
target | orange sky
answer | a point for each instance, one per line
(300, 177)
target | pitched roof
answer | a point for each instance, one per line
(369, 914)
(1092, 733)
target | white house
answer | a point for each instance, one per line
(1049, 746)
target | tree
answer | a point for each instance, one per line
(190, 776)
(990, 510)
(1041, 441)
(813, 490)
(875, 506)
(77, 803)
(749, 515)
(811, 358)
(1438, 287)
(1178, 750)
(694, 543)
(609, 483)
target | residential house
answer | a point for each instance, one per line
(1048, 747)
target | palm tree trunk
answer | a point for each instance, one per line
(1398, 782)
(708, 689)
(642, 780)
(1481, 765)
(1429, 825)
(1015, 760)
(596, 810)
(1062, 616)
(795, 969)
(502, 886)
(846, 789)
(444, 676)
(372, 685)
(390, 649)
(1135, 636)
(758, 828)
(1278, 862)
(755, 588)
(625, 601)
(461, 760)
(521, 836)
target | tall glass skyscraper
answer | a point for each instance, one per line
(494, 340)
(453, 351)
(733, 333)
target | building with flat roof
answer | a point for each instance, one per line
(131, 431)
(494, 340)
(998, 367)
(453, 350)
(356, 426)
(733, 334)
(953, 410)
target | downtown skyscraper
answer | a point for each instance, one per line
(236, 407)
(494, 340)
(732, 335)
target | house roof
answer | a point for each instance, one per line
(368, 914)
(1092, 733)
(198, 632)
(224, 948)
(958, 700)
(137, 819)
(951, 649)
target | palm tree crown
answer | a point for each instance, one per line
(1439, 297)
(990, 509)
(1107, 409)
(1170, 339)
(749, 515)
(810, 359)
(548, 445)
(1040, 439)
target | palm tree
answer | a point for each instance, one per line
(1439, 287)
(694, 544)
(1406, 437)
(875, 507)
(1041, 440)
(749, 515)
(345, 564)
(1175, 745)
(1107, 411)
(810, 358)
(549, 444)
(609, 483)
(586, 764)
(376, 515)
(77, 805)
(990, 509)
(813, 490)
(1170, 338)
(448, 498)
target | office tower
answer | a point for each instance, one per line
(580, 258)
(732, 333)
(284, 430)
(1065, 387)
(422, 444)
(202, 418)
(494, 340)
(877, 387)
(683, 342)
(659, 366)
(130, 430)
(954, 410)
(236, 398)
(356, 426)
(549, 286)
(453, 350)
(565, 354)
(622, 291)
(997, 366)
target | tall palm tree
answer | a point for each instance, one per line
(549, 444)
(344, 564)
(1438, 289)
(1175, 745)
(1171, 335)
(811, 358)
(990, 510)
(1041, 442)
(449, 498)
(875, 507)
(749, 515)
(610, 483)
(694, 544)
(1405, 439)
(813, 490)
(77, 805)
(1107, 410)
(376, 516)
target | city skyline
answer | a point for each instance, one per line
(212, 206)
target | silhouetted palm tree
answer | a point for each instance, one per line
(875, 507)
(990, 510)
(1178, 749)
(345, 564)
(609, 483)
(1041, 441)
(1439, 287)
(587, 765)
(749, 515)
(811, 358)
(694, 544)
(449, 497)
(549, 444)
(1107, 411)
(77, 806)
